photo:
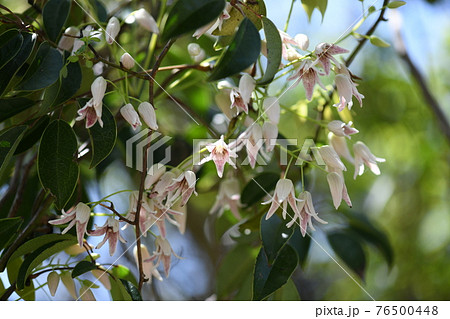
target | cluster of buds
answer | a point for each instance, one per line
(146, 111)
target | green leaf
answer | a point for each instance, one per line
(395, 4)
(9, 228)
(10, 43)
(100, 9)
(269, 277)
(37, 257)
(122, 272)
(32, 134)
(288, 292)
(9, 70)
(10, 139)
(12, 106)
(346, 245)
(378, 42)
(82, 267)
(44, 70)
(274, 235)
(54, 15)
(310, 5)
(70, 84)
(274, 51)
(242, 52)
(118, 291)
(103, 139)
(188, 15)
(132, 290)
(301, 245)
(28, 293)
(58, 171)
(258, 187)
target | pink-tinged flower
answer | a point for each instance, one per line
(112, 30)
(346, 89)
(160, 189)
(223, 101)
(181, 218)
(339, 128)
(66, 42)
(270, 134)
(288, 50)
(149, 268)
(309, 75)
(53, 282)
(253, 143)
(306, 208)
(130, 115)
(228, 196)
(339, 144)
(154, 173)
(272, 109)
(220, 153)
(302, 41)
(147, 112)
(159, 214)
(127, 61)
(144, 214)
(325, 52)
(163, 253)
(338, 189)
(79, 216)
(145, 20)
(284, 194)
(184, 186)
(92, 111)
(331, 159)
(364, 156)
(217, 24)
(111, 231)
(240, 97)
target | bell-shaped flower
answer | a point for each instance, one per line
(144, 214)
(302, 41)
(306, 208)
(145, 20)
(130, 115)
(111, 231)
(288, 44)
(184, 186)
(68, 38)
(270, 134)
(364, 156)
(154, 173)
(338, 189)
(220, 153)
(325, 51)
(272, 109)
(127, 61)
(240, 97)
(228, 196)
(339, 128)
(79, 216)
(331, 159)
(339, 144)
(112, 30)
(92, 111)
(161, 213)
(284, 194)
(160, 189)
(217, 24)
(147, 113)
(253, 143)
(309, 75)
(163, 253)
(149, 268)
(346, 89)
(53, 282)
(223, 101)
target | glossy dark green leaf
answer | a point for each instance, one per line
(100, 9)
(103, 139)
(9, 228)
(44, 70)
(82, 267)
(258, 187)
(132, 290)
(70, 84)
(310, 5)
(12, 106)
(347, 246)
(33, 134)
(287, 292)
(28, 293)
(186, 16)
(301, 245)
(269, 277)
(57, 168)
(274, 51)
(242, 52)
(8, 144)
(54, 15)
(274, 235)
(10, 43)
(9, 70)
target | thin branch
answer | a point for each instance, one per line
(111, 208)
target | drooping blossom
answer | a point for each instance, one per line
(161, 213)
(130, 115)
(338, 189)
(217, 24)
(228, 196)
(284, 194)
(79, 216)
(253, 143)
(144, 212)
(163, 253)
(306, 208)
(160, 188)
(272, 109)
(302, 41)
(364, 156)
(154, 173)
(112, 30)
(325, 51)
(66, 42)
(309, 75)
(149, 268)
(339, 144)
(184, 186)
(240, 97)
(220, 153)
(127, 61)
(289, 45)
(339, 128)
(148, 114)
(270, 134)
(92, 111)
(346, 89)
(145, 20)
(111, 231)
(331, 159)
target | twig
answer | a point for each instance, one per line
(23, 183)
(111, 208)
(155, 69)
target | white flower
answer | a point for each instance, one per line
(154, 173)
(220, 153)
(346, 89)
(338, 189)
(229, 195)
(240, 97)
(270, 134)
(339, 144)
(92, 111)
(284, 194)
(112, 30)
(147, 112)
(66, 42)
(309, 75)
(331, 158)
(162, 253)
(339, 128)
(272, 109)
(127, 61)
(130, 115)
(302, 41)
(145, 20)
(111, 231)
(325, 52)
(210, 27)
(149, 268)
(364, 156)
(306, 208)
(184, 186)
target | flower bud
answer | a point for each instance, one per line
(130, 115)
(127, 61)
(86, 294)
(112, 30)
(272, 109)
(53, 281)
(66, 43)
(331, 158)
(302, 41)
(147, 112)
(194, 49)
(146, 21)
(98, 89)
(68, 282)
(103, 277)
